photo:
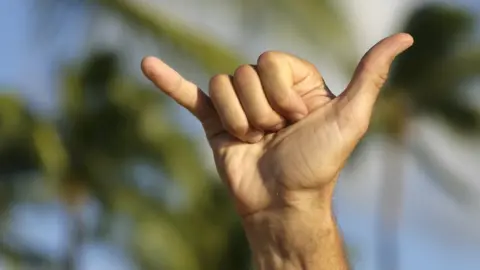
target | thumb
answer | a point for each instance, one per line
(372, 72)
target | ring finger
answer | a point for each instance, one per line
(230, 111)
(254, 101)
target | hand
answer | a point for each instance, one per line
(279, 139)
(278, 135)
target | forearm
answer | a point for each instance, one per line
(294, 240)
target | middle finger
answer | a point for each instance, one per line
(254, 101)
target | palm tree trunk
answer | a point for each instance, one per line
(391, 192)
(389, 211)
(75, 198)
(76, 241)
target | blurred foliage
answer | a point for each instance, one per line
(428, 79)
(110, 124)
(433, 72)
(317, 22)
(207, 51)
(119, 123)
(15, 129)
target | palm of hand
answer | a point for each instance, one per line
(267, 168)
(304, 156)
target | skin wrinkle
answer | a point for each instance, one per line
(315, 134)
(346, 117)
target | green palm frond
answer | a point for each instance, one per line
(15, 118)
(320, 24)
(442, 90)
(131, 123)
(110, 118)
(159, 243)
(204, 49)
(457, 114)
(430, 77)
(22, 258)
(445, 95)
(201, 47)
(16, 124)
(438, 30)
(432, 74)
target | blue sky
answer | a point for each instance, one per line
(29, 59)
(28, 69)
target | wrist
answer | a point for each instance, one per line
(295, 238)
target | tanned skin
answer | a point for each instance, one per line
(280, 138)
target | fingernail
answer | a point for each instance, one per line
(255, 136)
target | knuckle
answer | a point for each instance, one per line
(262, 120)
(283, 101)
(242, 71)
(378, 76)
(237, 128)
(242, 75)
(268, 59)
(309, 65)
(216, 83)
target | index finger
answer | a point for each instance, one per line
(184, 92)
(280, 73)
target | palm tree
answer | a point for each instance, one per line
(110, 124)
(408, 95)
(316, 22)
(426, 80)
(398, 105)
(94, 157)
(26, 145)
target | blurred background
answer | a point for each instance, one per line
(99, 171)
